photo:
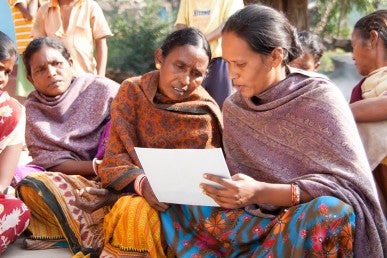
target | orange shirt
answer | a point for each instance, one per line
(23, 27)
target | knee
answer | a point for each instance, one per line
(332, 206)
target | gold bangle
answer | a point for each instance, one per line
(295, 194)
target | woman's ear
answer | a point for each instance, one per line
(158, 58)
(70, 61)
(374, 36)
(277, 56)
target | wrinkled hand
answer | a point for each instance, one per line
(151, 198)
(91, 199)
(237, 192)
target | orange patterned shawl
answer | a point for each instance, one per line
(143, 117)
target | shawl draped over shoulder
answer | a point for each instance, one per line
(302, 131)
(68, 127)
(143, 117)
(11, 117)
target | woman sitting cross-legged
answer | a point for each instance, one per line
(301, 185)
(66, 117)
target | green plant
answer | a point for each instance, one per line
(326, 63)
(330, 17)
(138, 32)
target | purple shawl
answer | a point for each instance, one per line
(302, 130)
(68, 127)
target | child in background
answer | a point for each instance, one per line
(312, 48)
(81, 26)
(23, 13)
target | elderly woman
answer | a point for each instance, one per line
(66, 117)
(301, 185)
(369, 97)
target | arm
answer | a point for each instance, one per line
(180, 26)
(370, 110)
(215, 34)
(33, 7)
(24, 10)
(74, 167)
(242, 190)
(38, 29)
(101, 55)
(9, 158)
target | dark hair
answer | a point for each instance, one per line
(7, 47)
(37, 44)
(185, 36)
(265, 29)
(311, 43)
(374, 21)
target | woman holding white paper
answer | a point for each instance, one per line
(301, 183)
(166, 108)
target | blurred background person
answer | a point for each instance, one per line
(82, 27)
(312, 51)
(23, 14)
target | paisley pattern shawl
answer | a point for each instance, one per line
(10, 115)
(302, 131)
(143, 117)
(69, 126)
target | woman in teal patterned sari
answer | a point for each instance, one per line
(300, 182)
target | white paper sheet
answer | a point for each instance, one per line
(175, 174)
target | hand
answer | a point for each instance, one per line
(151, 198)
(237, 192)
(91, 199)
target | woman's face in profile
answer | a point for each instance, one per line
(50, 72)
(248, 70)
(181, 71)
(362, 54)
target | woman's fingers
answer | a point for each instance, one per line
(97, 191)
(225, 182)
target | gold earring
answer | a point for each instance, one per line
(158, 66)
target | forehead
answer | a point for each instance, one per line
(192, 51)
(8, 63)
(356, 36)
(45, 54)
(233, 46)
(189, 54)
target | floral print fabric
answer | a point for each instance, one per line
(10, 114)
(323, 227)
(14, 219)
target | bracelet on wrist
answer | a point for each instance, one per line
(138, 184)
(295, 194)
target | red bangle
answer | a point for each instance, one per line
(138, 184)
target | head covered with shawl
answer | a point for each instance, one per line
(283, 126)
